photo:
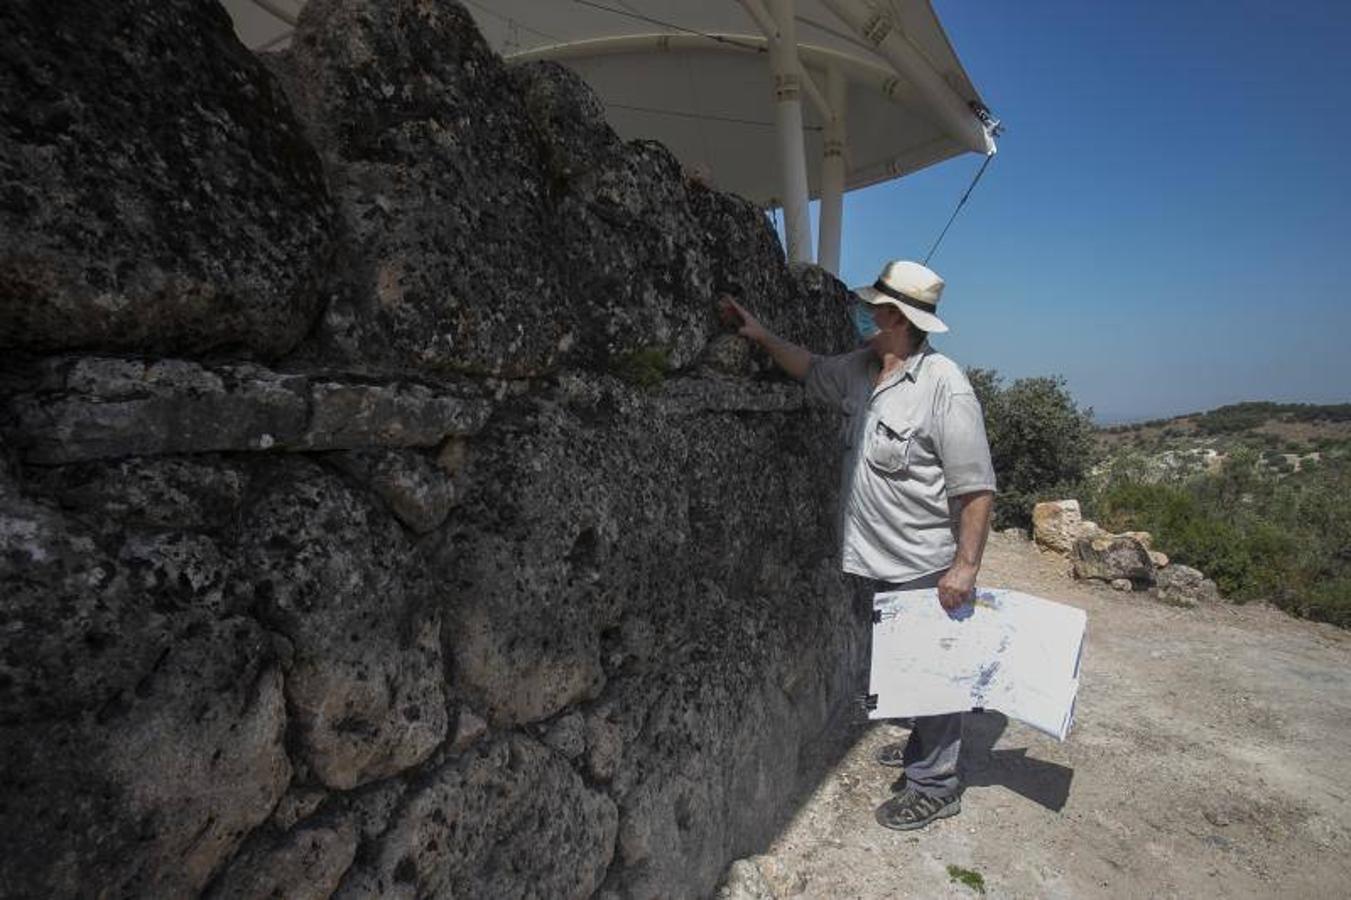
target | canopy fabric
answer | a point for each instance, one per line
(711, 101)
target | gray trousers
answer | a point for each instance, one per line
(935, 741)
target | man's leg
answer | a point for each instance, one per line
(935, 741)
(931, 755)
(932, 787)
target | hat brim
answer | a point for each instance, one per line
(924, 320)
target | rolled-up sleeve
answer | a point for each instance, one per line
(959, 438)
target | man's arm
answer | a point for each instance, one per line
(788, 356)
(972, 513)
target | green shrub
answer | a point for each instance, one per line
(1259, 535)
(1041, 443)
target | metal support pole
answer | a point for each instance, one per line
(788, 125)
(832, 174)
(876, 26)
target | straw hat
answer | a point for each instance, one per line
(911, 288)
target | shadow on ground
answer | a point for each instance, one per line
(1044, 783)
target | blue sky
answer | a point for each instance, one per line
(1168, 222)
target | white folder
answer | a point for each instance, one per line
(1007, 651)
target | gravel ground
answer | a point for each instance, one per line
(1211, 756)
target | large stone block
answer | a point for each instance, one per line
(336, 575)
(437, 173)
(604, 499)
(141, 721)
(92, 408)
(156, 192)
(509, 819)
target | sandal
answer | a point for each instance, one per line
(910, 810)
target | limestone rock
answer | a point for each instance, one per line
(1184, 586)
(603, 493)
(407, 104)
(345, 415)
(1058, 524)
(305, 864)
(745, 881)
(298, 804)
(338, 578)
(158, 194)
(1122, 584)
(469, 727)
(141, 721)
(591, 249)
(97, 408)
(567, 735)
(417, 491)
(729, 354)
(478, 826)
(168, 492)
(1160, 560)
(1144, 537)
(604, 744)
(1111, 558)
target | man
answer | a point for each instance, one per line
(918, 486)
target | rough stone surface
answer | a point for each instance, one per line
(102, 407)
(97, 408)
(1113, 557)
(193, 493)
(1160, 560)
(511, 819)
(140, 720)
(419, 492)
(1056, 524)
(304, 864)
(371, 618)
(567, 735)
(590, 249)
(156, 192)
(437, 172)
(337, 577)
(586, 503)
(387, 415)
(1184, 586)
(469, 727)
(1122, 584)
(745, 881)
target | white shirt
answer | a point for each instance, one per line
(910, 443)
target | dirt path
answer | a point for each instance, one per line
(1211, 756)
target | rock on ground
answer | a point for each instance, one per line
(1111, 558)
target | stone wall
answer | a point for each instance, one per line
(382, 510)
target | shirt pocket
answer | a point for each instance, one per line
(889, 447)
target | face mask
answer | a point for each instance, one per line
(861, 314)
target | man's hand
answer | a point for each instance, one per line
(957, 586)
(786, 355)
(734, 315)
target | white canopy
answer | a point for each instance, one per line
(720, 83)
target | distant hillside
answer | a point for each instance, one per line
(1296, 427)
